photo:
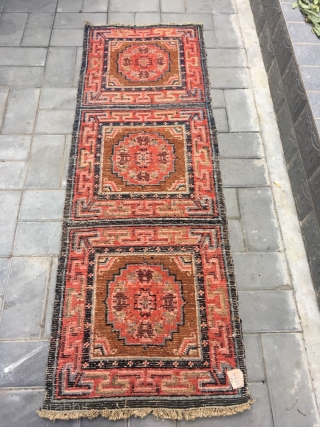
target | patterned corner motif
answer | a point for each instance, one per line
(143, 66)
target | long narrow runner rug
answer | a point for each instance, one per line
(146, 314)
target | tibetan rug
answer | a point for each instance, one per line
(146, 313)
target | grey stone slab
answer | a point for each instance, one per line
(44, 169)
(231, 201)
(78, 20)
(18, 409)
(180, 18)
(243, 172)
(287, 133)
(137, 6)
(241, 110)
(96, 6)
(311, 237)
(150, 421)
(236, 235)
(258, 15)
(4, 270)
(42, 204)
(258, 218)
(294, 90)
(301, 33)
(172, 6)
(103, 422)
(147, 18)
(23, 305)
(268, 311)
(289, 382)
(261, 271)
(66, 161)
(210, 6)
(282, 44)
(12, 28)
(60, 67)
(310, 153)
(21, 76)
(314, 184)
(12, 175)
(121, 18)
(310, 77)
(229, 78)
(300, 188)
(254, 357)
(290, 14)
(272, 12)
(77, 66)
(26, 56)
(3, 102)
(9, 208)
(21, 111)
(314, 100)
(70, 5)
(267, 48)
(226, 58)
(58, 98)
(37, 238)
(276, 87)
(227, 31)
(221, 121)
(210, 39)
(217, 98)
(240, 145)
(30, 5)
(23, 364)
(66, 37)
(38, 29)
(54, 121)
(2, 3)
(51, 297)
(14, 147)
(307, 54)
(258, 416)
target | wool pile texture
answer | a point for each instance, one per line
(146, 313)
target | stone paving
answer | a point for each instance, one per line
(40, 56)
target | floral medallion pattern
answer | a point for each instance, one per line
(144, 305)
(143, 63)
(143, 159)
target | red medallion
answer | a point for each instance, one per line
(144, 304)
(143, 159)
(143, 63)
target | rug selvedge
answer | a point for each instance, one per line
(146, 313)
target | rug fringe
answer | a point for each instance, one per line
(123, 413)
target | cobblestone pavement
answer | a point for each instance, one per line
(40, 56)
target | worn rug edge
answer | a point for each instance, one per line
(172, 414)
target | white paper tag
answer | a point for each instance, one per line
(236, 378)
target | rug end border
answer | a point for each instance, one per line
(164, 413)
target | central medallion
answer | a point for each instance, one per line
(143, 63)
(143, 158)
(144, 304)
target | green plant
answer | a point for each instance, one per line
(310, 9)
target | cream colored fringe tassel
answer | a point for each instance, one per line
(173, 414)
